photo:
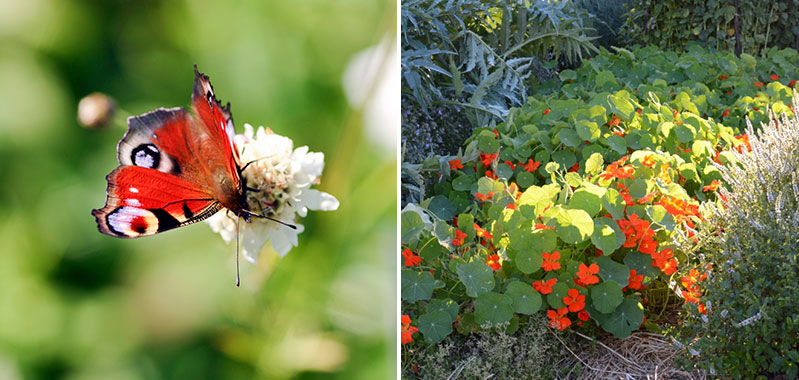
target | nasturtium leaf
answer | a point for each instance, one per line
(573, 179)
(606, 296)
(434, 326)
(593, 165)
(586, 200)
(625, 319)
(605, 79)
(417, 285)
(688, 171)
(542, 240)
(638, 188)
(529, 261)
(604, 236)
(462, 182)
(565, 158)
(614, 204)
(642, 264)
(512, 326)
(610, 270)
(442, 207)
(661, 216)
(555, 299)
(567, 75)
(587, 130)
(432, 251)
(493, 308)
(477, 277)
(487, 144)
(525, 299)
(617, 143)
(665, 128)
(526, 179)
(573, 226)
(486, 185)
(569, 137)
(684, 132)
(447, 305)
(411, 225)
(621, 105)
(533, 202)
(600, 318)
(702, 147)
(504, 171)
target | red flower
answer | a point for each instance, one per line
(484, 197)
(583, 315)
(558, 320)
(758, 84)
(482, 233)
(774, 77)
(455, 164)
(493, 262)
(491, 174)
(410, 258)
(511, 164)
(487, 159)
(714, 185)
(545, 287)
(531, 165)
(793, 83)
(459, 236)
(511, 206)
(575, 301)
(586, 274)
(648, 161)
(723, 77)
(496, 134)
(726, 113)
(575, 167)
(635, 280)
(546, 111)
(614, 121)
(407, 330)
(551, 261)
(539, 226)
(702, 309)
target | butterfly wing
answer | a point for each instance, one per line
(176, 169)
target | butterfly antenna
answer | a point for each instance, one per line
(262, 215)
(238, 277)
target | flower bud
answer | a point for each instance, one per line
(96, 110)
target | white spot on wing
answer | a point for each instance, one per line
(133, 190)
(133, 202)
(122, 219)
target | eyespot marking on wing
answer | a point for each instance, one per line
(146, 156)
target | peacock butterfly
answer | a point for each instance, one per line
(175, 169)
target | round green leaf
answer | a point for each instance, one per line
(525, 299)
(625, 319)
(620, 105)
(447, 305)
(487, 144)
(685, 133)
(617, 143)
(574, 226)
(476, 276)
(442, 207)
(642, 264)
(462, 183)
(417, 285)
(569, 137)
(610, 270)
(565, 158)
(587, 130)
(606, 296)
(587, 201)
(529, 261)
(411, 225)
(593, 165)
(434, 326)
(533, 202)
(543, 241)
(604, 236)
(493, 308)
(555, 299)
(614, 204)
(525, 179)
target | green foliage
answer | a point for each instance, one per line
(529, 353)
(751, 242)
(670, 25)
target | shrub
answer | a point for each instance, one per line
(529, 353)
(752, 242)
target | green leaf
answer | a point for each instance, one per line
(542, 240)
(626, 319)
(639, 188)
(685, 133)
(606, 296)
(569, 137)
(617, 143)
(587, 130)
(477, 277)
(434, 326)
(555, 299)
(565, 158)
(567, 75)
(610, 270)
(442, 207)
(620, 105)
(604, 236)
(533, 202)
(529, 261)
(614, 204)
(573, 226)
(642, 264)
(487, 144)
(493, 308)
(526, 179)
(661, 216)
(586, 200)
(447, 305)
(525, 299)
(605, 78)
(411, 226)
(462, 183)
(417, 285)
(593, 165)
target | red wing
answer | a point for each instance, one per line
(215, 118)
(144, 201)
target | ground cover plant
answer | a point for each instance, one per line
(573, 207)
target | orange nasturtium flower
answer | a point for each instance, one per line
(774, 77)
(545, 287)
(482, 233)
(664, 261)
(551, 261)
(459, 236)
(587, 273)
(407, 330)
(574, 300)
(635, 280)
(714, 185)
(455, 164)
(648, 161)
(484, 197)
(487, 159)
(558, 319)
(614, 121)
(583, 315)
(723, 77)
(531, 165)
(410, 258)
(493, 262)
(539, 226)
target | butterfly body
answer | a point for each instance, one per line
(176, 168)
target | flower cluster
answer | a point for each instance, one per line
(406, 330)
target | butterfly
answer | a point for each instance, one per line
(176, 168)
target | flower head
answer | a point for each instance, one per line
(284, 176)
(586, 274)
(406, 329)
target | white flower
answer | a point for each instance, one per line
(285, 175)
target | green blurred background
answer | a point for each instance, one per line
(75, 304)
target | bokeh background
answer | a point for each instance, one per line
(75, 304)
